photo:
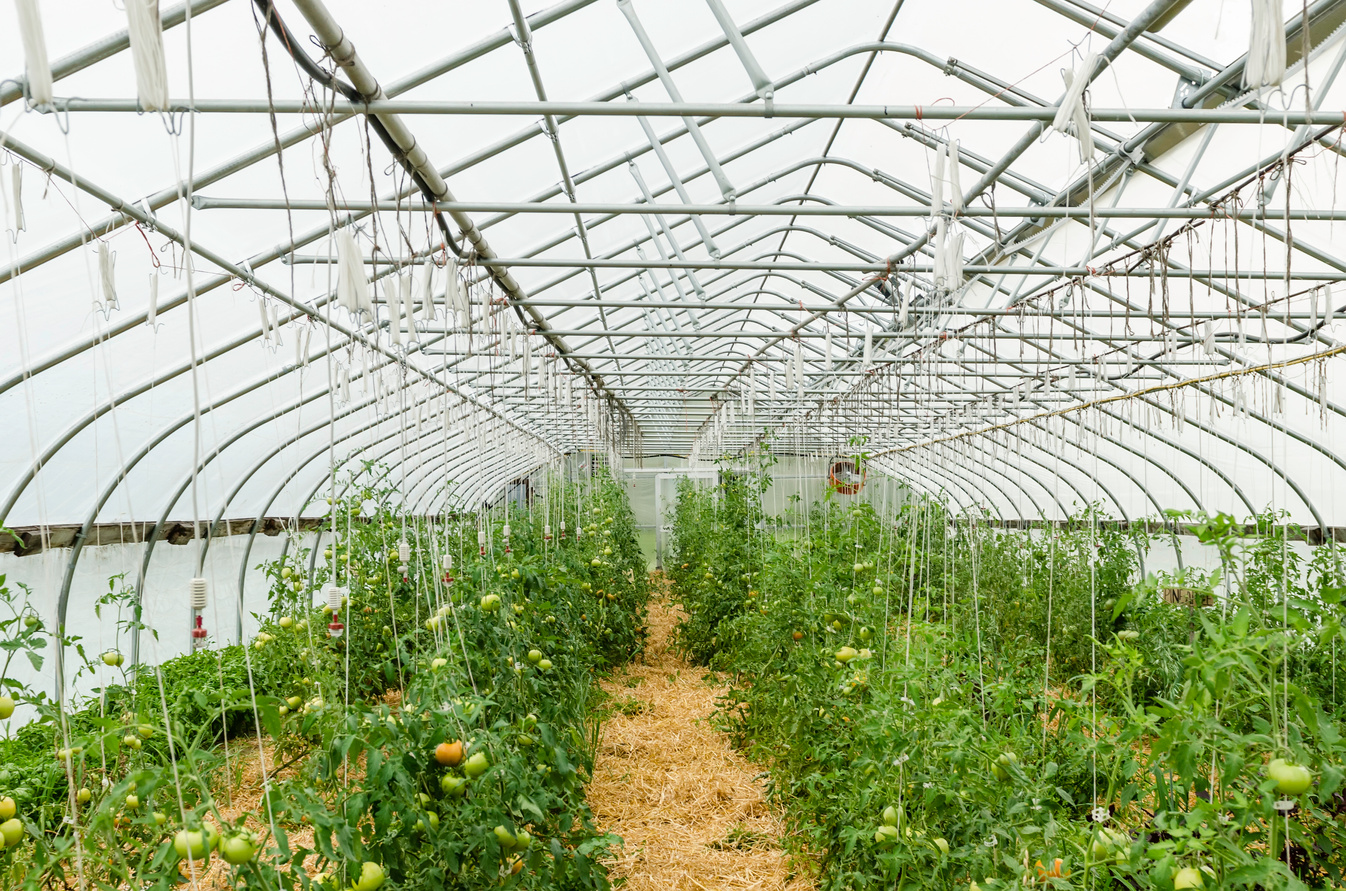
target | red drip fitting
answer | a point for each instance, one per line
(198, 635)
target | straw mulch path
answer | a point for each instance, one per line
(690, 808)
(242, 793)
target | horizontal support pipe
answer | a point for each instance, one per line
(1026, 312)
(842, 266)
(658, 357)
(1042, 114)
(780, 210)
(839, 356)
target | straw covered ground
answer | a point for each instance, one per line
(690, 808)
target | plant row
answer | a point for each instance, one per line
(434, 731)
(943, 703)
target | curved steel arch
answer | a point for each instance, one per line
(247, 550)
(1276, 469)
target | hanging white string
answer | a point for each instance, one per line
(408, 305)
(937, 180)
(16, 181)
(454, 294)
(868, 361)
(904, 311)
(35, 64)
(941, 247)
(1266, 45)
(827, 350)
(425, 289)
(266, 327)
(107, 262)
(1071, 115)
(352, 286)
(154, 300)
(393, 298)
(955, 179)
(147, 54)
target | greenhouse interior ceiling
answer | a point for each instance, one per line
(669, 229)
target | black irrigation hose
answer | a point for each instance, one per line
(330, 80)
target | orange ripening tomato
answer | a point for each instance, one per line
(1057, 870)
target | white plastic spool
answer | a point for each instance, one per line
(198, 591)
(334, 595)
(404, 551)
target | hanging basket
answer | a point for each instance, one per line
(846, 477)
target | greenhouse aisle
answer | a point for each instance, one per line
(690, 808)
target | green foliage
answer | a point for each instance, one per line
(420, 660)
(901, 662)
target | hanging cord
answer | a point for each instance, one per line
(352, 95)
(976, 612)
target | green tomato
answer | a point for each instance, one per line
(885, 835)
(191, 845)
(1291, 779)
(890, 816)
(846, 654)
(6, 707)
(238, 849)
(505, 837)
(1107, 841)
(452, 785)
(7, 809)
(1000, 767)
(145, 730)
(83, 796)
(132, 802)
(286, 572)
(113, 659)
(1187, 877)
(371, 877)
(159, 818)
(535, 656)
(476, 765)
(286, 621)
(544, 664)
(11, 832)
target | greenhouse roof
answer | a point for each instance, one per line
(659, 228)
